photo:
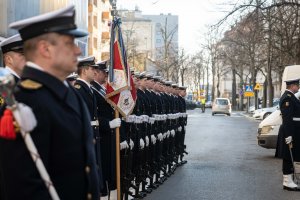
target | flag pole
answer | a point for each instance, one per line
(118, 175)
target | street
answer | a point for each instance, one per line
(224, 163)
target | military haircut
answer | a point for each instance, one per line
(81, 68)
(30, 46)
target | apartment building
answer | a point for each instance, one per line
(99, 18)
(14, 10)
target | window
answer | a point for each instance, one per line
(95, 43)
(158, 40)
(95, 21)
(221, 102)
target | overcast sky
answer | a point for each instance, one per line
(194, 15)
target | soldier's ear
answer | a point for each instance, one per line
(44, 48)
(7, 59)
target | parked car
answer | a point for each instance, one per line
(275, 103)
(190, 105)
(264, 112)
(267, 131)
(221, 106)
(208, 104)
(252, 108)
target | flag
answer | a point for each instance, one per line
(120, 92)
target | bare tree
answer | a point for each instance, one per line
(169, 54)
(184, 62)
(135, 58)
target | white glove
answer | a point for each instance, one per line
(172, 132)
(168, 134)
(147, 141)
(160, 137)
(124, 145)
(165, 135)
(179, 129)
(153, 139)
(288, 140)
(142, 143)
(115, 123)
(131, 144)
(130, 118)
(25, 117)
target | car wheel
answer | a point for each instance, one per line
(266, 115)
(212, 114)
(228, 114)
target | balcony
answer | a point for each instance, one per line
(105, 15)
(92, 8)
(105, 35)
(93, 30)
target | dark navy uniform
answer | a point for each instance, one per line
(63, 137)
(290, 111)
(107, 142)
(90, 99)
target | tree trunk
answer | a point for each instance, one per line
(233, 94)
(264, 103)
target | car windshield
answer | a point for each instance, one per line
(221, 102)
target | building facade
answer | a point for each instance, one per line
(138, 36)
(99, 18)
(144, 37)
(93, 16)
(165, 25)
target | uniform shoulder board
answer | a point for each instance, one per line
(289, 95)
(77, 86)
(2, 101)
(30, 84)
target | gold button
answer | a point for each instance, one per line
(89, 196)
(94, 141)
(87, 169)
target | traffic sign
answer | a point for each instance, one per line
(257, 86)
(248, 94)
(249, 88)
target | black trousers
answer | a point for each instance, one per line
(287, 166)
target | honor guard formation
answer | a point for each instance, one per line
(72, 131)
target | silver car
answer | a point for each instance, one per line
(221, 106)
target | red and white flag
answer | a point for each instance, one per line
(120, 92)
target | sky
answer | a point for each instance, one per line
(194, 16)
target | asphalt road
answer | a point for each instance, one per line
(224, 163)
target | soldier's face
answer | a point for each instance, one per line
(295, 88)
(143, 82)
(15, 60)
(64, 53)
(100, 76)
(90, 73)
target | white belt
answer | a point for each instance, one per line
(95, 123)
(296, 118)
